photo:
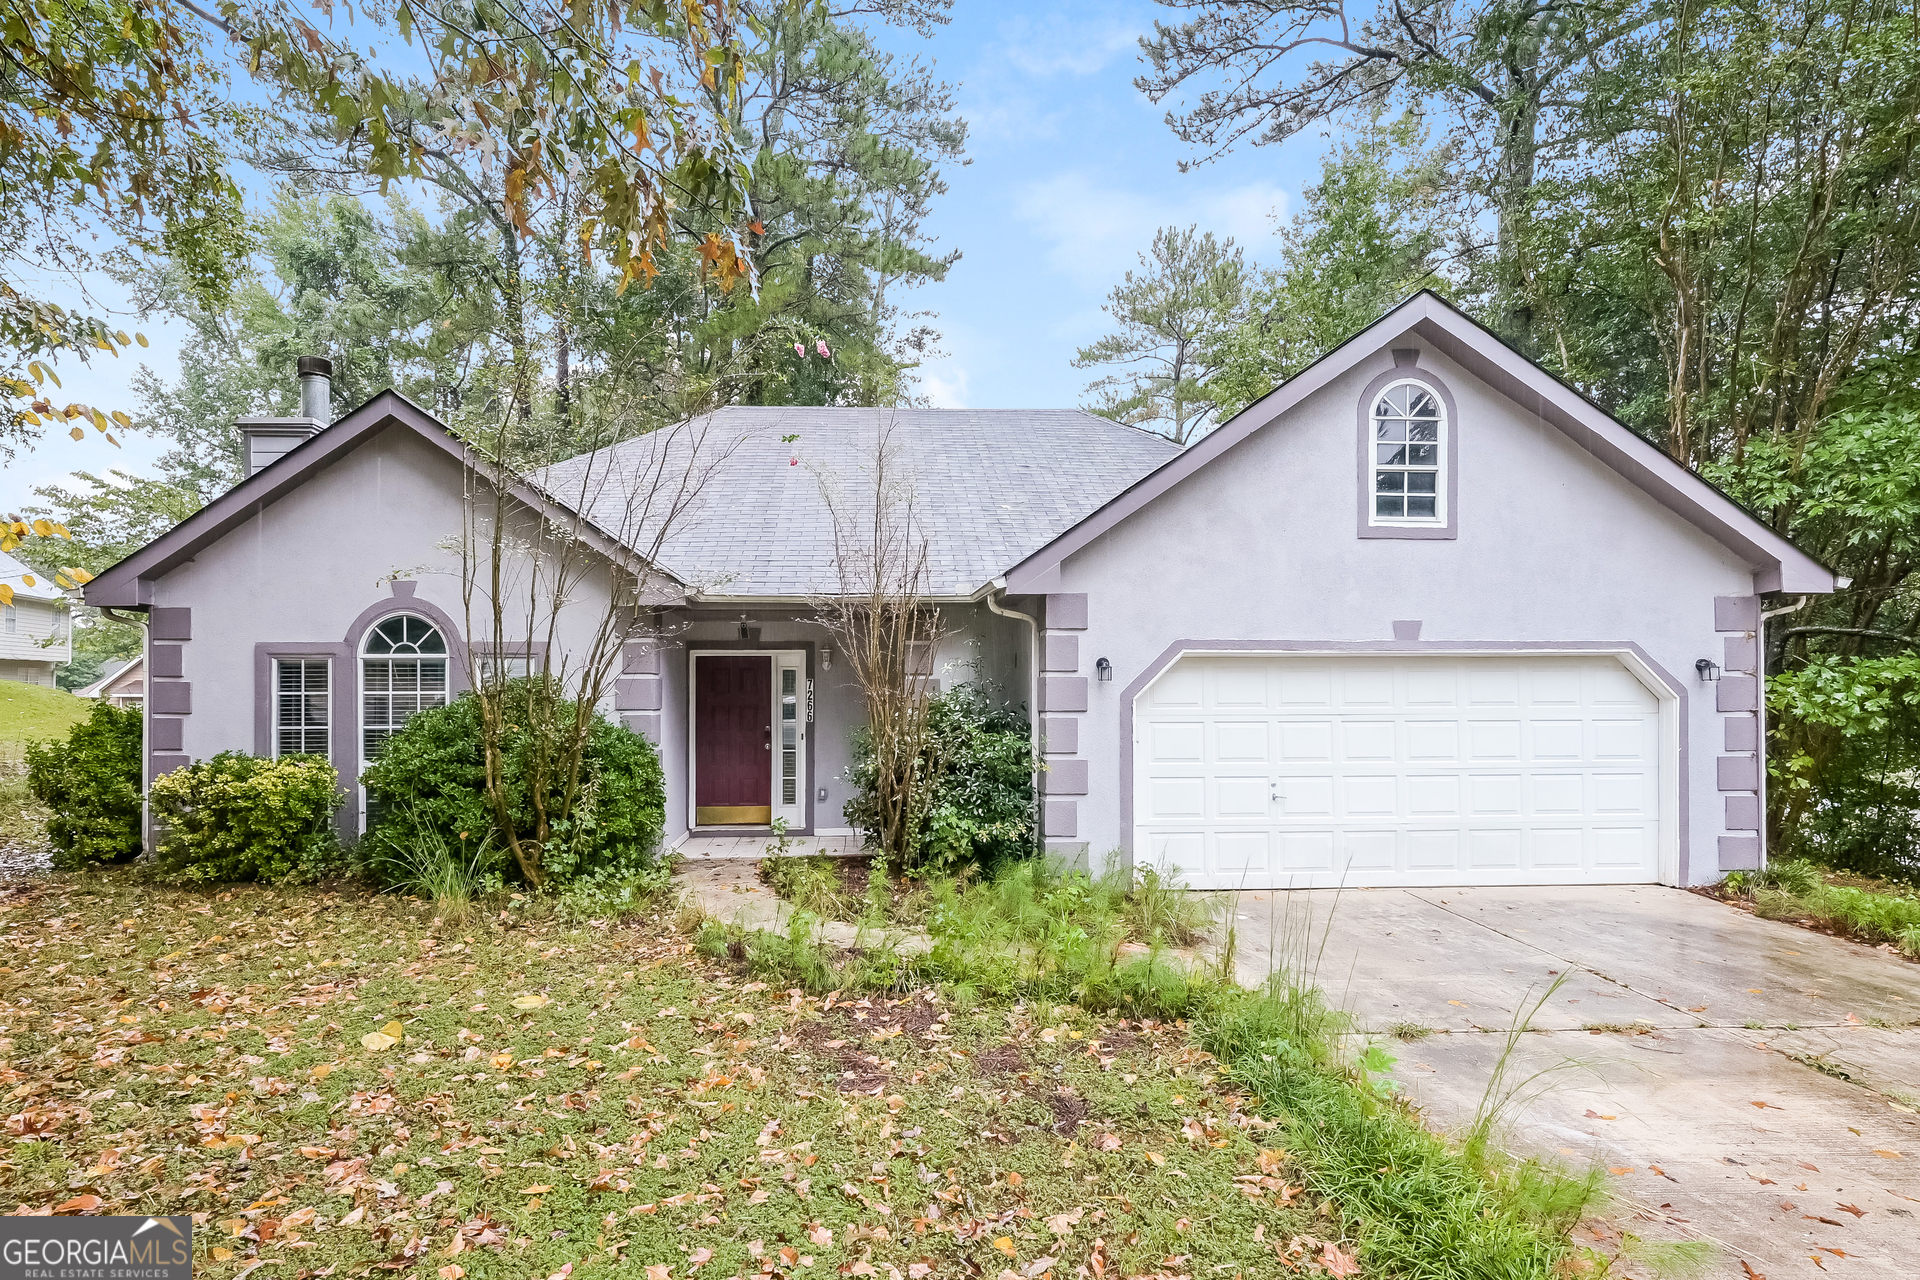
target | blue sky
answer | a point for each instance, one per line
(1071, 171)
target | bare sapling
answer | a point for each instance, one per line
(888, 628)
(559, 573)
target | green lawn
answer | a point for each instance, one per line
(33, 713)
(564, 1098)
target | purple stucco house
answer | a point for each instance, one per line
(1421, 616)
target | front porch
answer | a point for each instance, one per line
(704, 847)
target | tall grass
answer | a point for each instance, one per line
(1794, 888)
(425, 863)
(1422, 1205)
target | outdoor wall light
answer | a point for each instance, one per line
(826, 659)
(1708, 669)
(1102, 669)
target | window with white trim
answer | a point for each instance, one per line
(403, 669)
(301, 707)
(1409, 456)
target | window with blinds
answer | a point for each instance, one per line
(301, 707)
(403, 669)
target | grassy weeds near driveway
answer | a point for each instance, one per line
(335, 1084)
(1877, 912)
(1418, 1203)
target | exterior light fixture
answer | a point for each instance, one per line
(1102, 669)
(826, 659)
(1708, 670)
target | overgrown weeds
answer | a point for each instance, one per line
(418, 858)
(1420, 1204)
(1801, 892)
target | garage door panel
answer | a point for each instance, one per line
(1176, 741)
(1310, 797)
(1235, 687)
(1621, 848)
(1369, 851)
(1308, 741)
(1367, 684)
(1241, 798)
(1177, 798)
(1306, 686)
(1433, 739)
(1366, 740)
(1492, 687)
(1370, 796)
(1493, 739)
(1558, 739)
(1554, 684)
(1180, 687)
(1433, 794)
(1240, 741)
(1615, 686)
(1430, 850)
(1494, 848)
(1304, 852)
(1303, 770)
(1557, 794)
(1622, 793)
(1490, 794)
(1620, 740)
(1237, 852)
(1557, 848)
(1432, 686)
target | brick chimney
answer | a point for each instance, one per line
(264, 440)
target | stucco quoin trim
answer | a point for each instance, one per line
(1659, 680)
(1363, 514)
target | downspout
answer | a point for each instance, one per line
(999, 586)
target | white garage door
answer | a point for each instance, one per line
(1301, 772)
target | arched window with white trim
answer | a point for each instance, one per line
(403, 669)
(1409, 442)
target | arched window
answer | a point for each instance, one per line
(1409, 456)
(403, 669)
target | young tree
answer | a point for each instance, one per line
(1375, 228)
(1190, 293)
(563, 589)
(888, 630)
(1500, 69)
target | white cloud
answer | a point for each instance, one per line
(1057, 44)
(945, 384)
(1095, 231)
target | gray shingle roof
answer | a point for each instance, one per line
(990, 486)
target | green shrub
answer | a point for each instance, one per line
(979, 766)
(92, 783)
(242, 817)
(429, 785)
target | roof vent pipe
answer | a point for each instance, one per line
(316, 388)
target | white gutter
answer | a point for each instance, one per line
(999, 586)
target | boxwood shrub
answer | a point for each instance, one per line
(91, 781)
(428, 790)
(242, 817)
(978, 770)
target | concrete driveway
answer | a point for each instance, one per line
(1741, 1080)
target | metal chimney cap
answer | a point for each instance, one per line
(315, 364)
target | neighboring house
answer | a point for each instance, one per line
(35, 635)
(122, 682)
(1423, 615)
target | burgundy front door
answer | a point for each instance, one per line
(732, 739)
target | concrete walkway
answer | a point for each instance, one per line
(1741, 1080)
